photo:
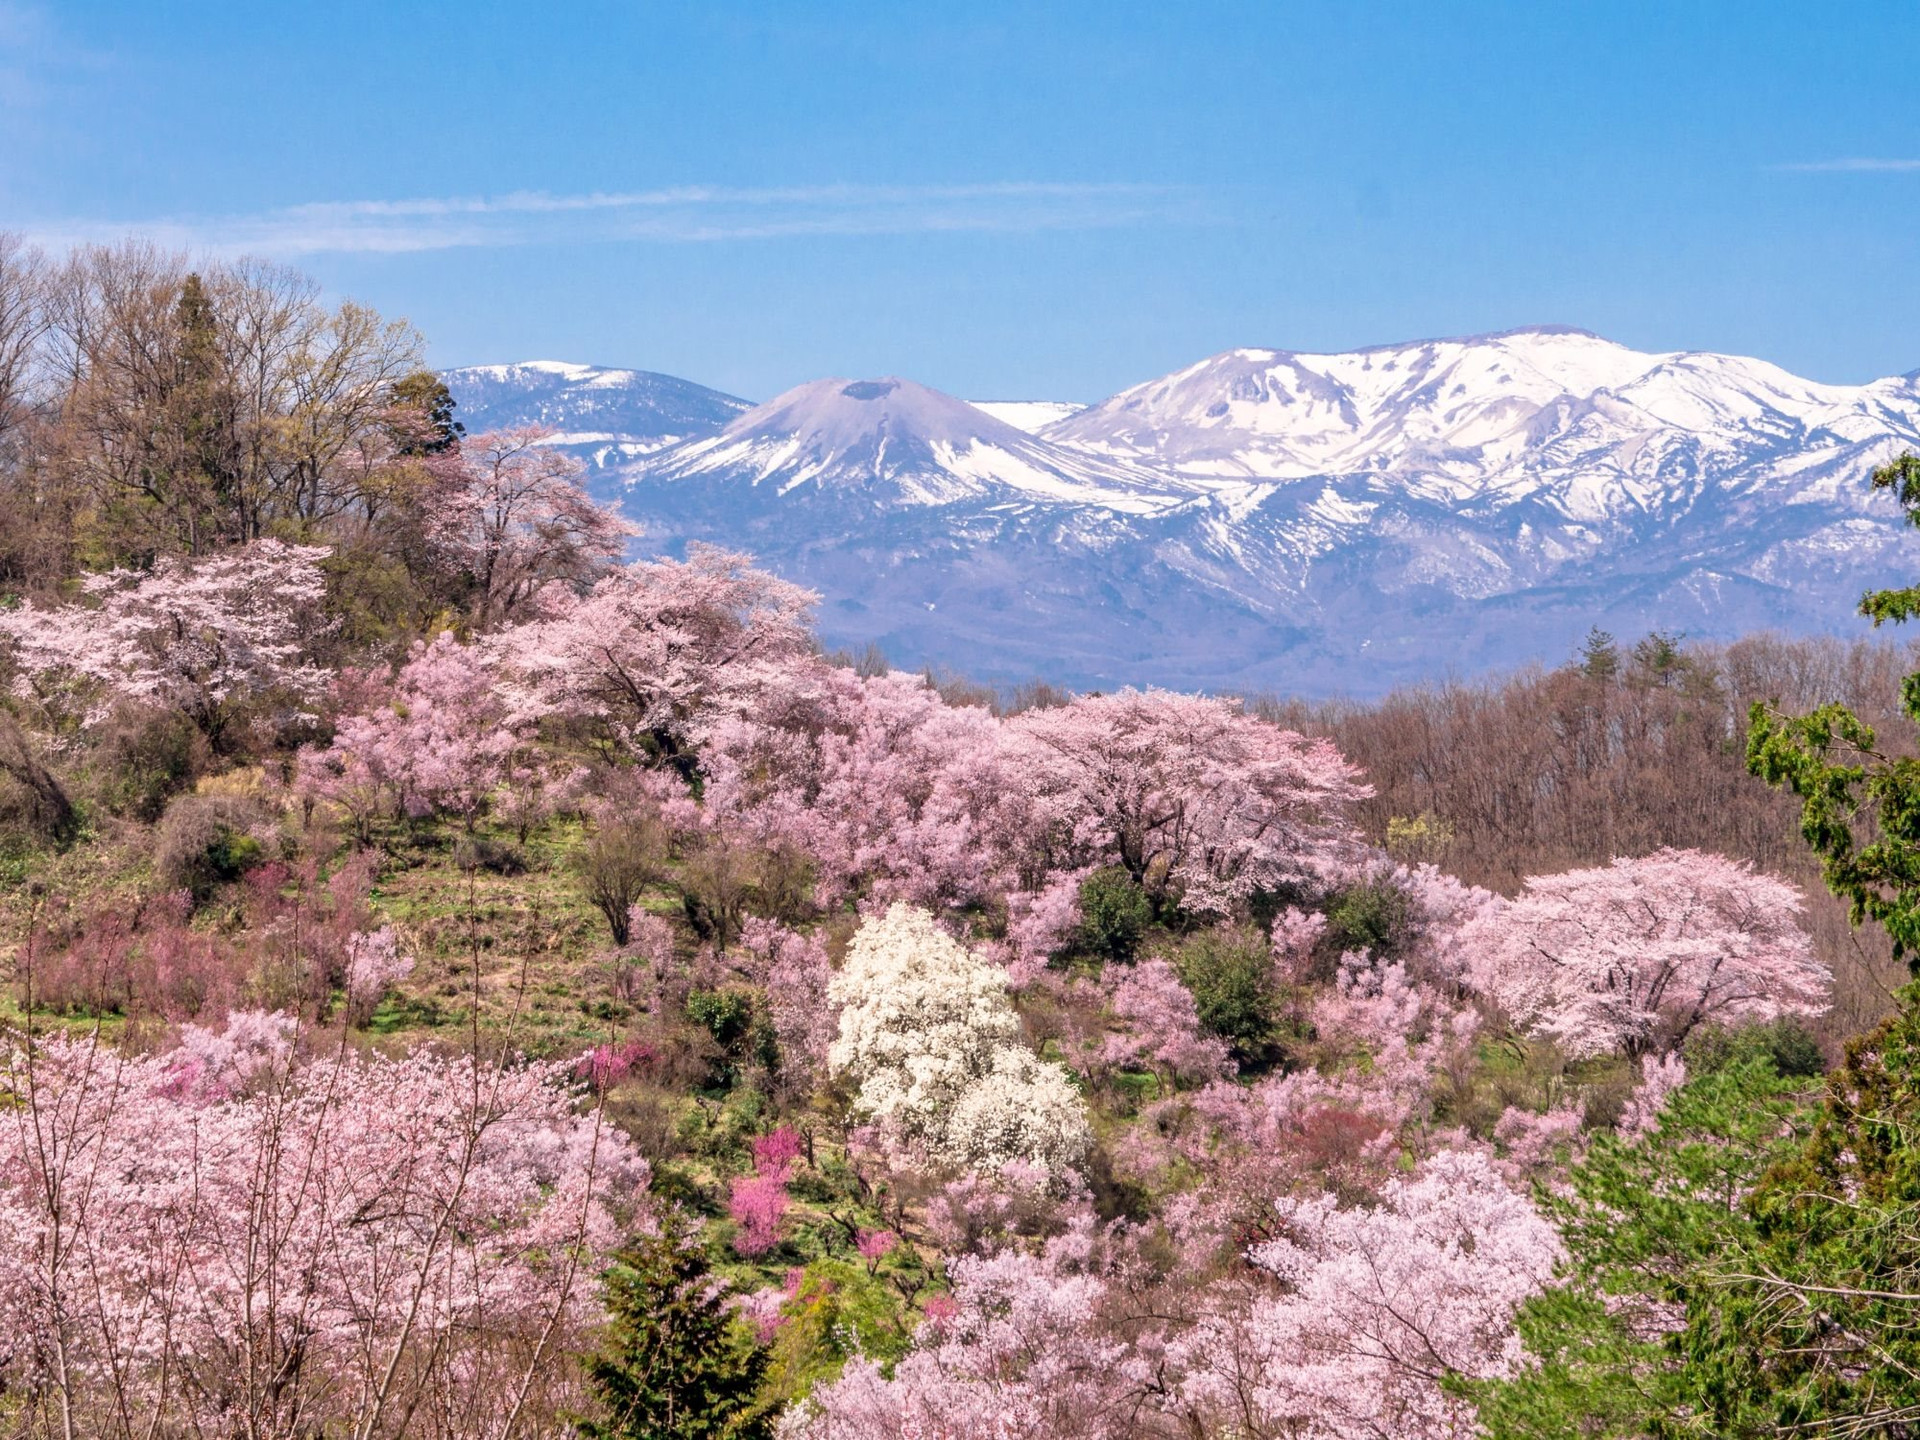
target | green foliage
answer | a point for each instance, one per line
(1860, 805)
(725, 1014)
(1902, 476)
(1658, 658)
(1651, 1227)
(1114, 915)
(1599, 656)
(1375, 915)
(1786, 1044)
(426, 394)
(676, 1365)
(733, 1016)
(1813, 1329)
(1230, 972)
(838, 1310)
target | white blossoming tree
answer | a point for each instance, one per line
(928, 1033)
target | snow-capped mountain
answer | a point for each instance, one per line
(900, 443)
(606, 417)
(1500, 417)
(1272, 520)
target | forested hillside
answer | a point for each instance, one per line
(463, 983)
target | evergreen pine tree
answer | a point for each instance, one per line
(1860, 806)
(1599, 656)
(427, 393)
(677, 1364)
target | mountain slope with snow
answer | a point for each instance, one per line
(604, 416)
(1272, 520)
(1496, 416)
(901, 443)
(1032, 416)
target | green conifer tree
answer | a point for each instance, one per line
(426, 393)
(1599, 656)
(677, 1364)
(1860, 803)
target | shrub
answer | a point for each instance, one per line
(718, 881)
(731, 1017)
(1376, 915)
(724, 1014)
(1787, 1044)
(1230, 972)
(1114, 914)
(146, 757)
(496, 857)
(32, 798)
(617, 864)
(204, 842)
(1794, 1049)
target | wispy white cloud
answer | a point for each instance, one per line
(1857, 164)
(681, 214)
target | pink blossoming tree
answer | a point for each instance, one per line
(1636, 955)
(205, 637)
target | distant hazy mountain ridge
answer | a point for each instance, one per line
(1267, 519)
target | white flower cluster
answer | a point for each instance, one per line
(927, 1030)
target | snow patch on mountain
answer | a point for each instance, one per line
(606, 417)
(1031, 416)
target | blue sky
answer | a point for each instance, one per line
(1019, 200)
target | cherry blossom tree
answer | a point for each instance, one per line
(1018, 1354)
(1634, 956)
(1660, 1076)
(375, 964)
(927, 1033)
(1159, 1025)
(894, 793)
(793, 970)
(1379, 1305)
(658, 647)
(1197, 800)
(231, 1238)
(438, 741)
(510, 515)
(205, 637)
